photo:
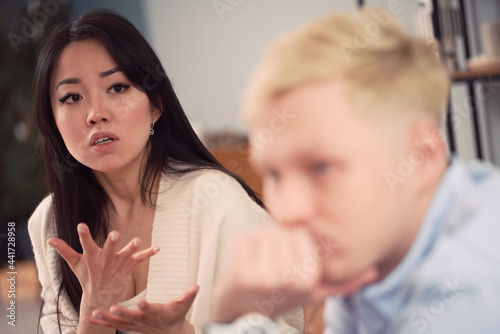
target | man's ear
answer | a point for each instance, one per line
(428, 153)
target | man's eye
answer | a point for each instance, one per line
(70, 98)
(118, 88)
(273, 174)
(320, 168)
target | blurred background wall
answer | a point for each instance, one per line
(208, 48)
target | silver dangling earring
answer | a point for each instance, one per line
(152, 131)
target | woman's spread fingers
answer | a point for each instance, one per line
(145, 254)
(67, 253)
(138, 257)
(130, 248)
(88, 244)
(109, 247)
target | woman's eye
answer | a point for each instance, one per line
(118, 88)
(70, 98)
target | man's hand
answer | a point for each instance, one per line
(274, 269)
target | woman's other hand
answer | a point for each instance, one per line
(150, 318)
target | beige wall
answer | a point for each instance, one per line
(209, 56)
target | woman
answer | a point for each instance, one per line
(122, 159)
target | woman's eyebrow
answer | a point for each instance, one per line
(68, 81)
(77, 80)
(109, 72)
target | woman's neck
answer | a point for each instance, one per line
(124, 192)
(120, 187)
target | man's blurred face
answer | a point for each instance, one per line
(323, 169)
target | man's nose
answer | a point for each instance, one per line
(292, 202)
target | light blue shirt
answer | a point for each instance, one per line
(449, 281)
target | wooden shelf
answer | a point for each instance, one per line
(476, 73)
(236, 160)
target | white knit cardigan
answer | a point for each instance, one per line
(196, 216)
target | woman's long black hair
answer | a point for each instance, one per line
(76, 194)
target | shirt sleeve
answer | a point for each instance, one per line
(338, 319)
(461, 304)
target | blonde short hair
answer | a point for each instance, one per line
(382, 66)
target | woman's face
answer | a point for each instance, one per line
(103, 119)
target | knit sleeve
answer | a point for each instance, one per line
(41, 227)
(221, 209)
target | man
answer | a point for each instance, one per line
(344, 118)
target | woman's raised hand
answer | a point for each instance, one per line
(103, 272)
(150, 318)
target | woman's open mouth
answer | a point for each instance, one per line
(104, 140)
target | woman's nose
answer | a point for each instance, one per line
(98, 113)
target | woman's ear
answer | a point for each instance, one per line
(155, 114)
